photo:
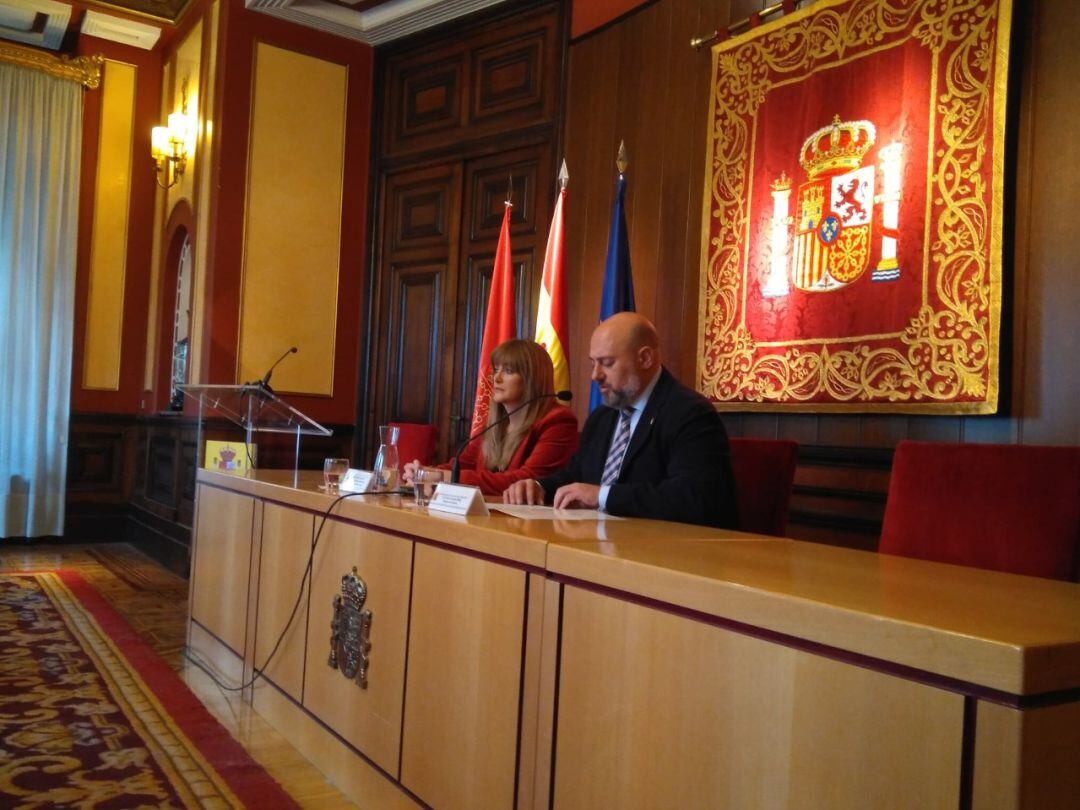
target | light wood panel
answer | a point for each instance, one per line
(221, 557)
(1007, 632)
(465, 663)
(538, 793)
(656, 710)
(530, 757)
(352, 775)
(1026, 759)
(368, 718)
(286, 543)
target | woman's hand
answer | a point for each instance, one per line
(409, 470)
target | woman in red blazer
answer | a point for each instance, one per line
(535, 441)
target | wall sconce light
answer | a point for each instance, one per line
(169, 146)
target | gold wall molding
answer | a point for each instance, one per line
(86, 70)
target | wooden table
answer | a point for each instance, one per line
(635, 663)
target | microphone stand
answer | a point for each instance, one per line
(265, 393)
(455, 464)
(264, 383)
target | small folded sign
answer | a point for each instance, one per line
(458, 499)
(357, 481)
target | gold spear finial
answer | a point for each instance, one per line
(622, 161)
(564, 176)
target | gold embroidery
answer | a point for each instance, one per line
(949, 350)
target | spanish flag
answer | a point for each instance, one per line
(552, 317)
(500, 324)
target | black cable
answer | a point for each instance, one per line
(296, 606)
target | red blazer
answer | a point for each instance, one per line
(547, 447)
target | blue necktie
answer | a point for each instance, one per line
(619, 442)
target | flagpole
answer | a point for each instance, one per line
(617, 294)
(552, 312)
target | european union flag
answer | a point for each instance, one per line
(618, 294)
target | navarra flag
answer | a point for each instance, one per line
(618, 294)
(500, 324)
(552, 316)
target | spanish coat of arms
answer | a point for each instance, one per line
(350, 630)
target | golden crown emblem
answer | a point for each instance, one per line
(840, 145)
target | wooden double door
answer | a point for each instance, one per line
(461, 112)
(440, 230)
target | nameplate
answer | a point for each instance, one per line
(357, 481)
(458, 499)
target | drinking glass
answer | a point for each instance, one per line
(332, 470)
(424, 482)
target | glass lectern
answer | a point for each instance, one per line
(255, 409)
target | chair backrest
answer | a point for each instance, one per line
(415, 441)
(764, 471)
(1012, 508)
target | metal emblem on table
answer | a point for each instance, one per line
(350, 630)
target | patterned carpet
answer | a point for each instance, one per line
(90, 716)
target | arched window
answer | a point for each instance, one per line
(181, 332)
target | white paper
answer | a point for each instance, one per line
(551, 513)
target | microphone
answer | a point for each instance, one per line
(455, 471)
(265, 381)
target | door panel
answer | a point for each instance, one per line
(416, 299)
(416, 322)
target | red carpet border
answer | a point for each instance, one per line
(92, 717)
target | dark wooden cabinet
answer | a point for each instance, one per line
(466, 115)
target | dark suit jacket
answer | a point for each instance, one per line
(677, 467)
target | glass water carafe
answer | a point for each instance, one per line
(386, 460)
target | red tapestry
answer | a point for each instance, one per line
(851, 246)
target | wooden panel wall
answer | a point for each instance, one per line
(637, 79)
(464, 109)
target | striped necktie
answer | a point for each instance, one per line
(619, 442)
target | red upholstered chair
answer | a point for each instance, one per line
(415, 442)
(764, 471)
(1012, 508)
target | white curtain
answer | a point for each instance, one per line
(40, 137)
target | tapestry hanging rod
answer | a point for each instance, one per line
(86, 70)
(752, 21)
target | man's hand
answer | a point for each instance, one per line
(577, 496)
(524, 492)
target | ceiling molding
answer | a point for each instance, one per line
(115, 29)
(41, 23)
(374, 26)
(161, 10)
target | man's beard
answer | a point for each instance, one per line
(620, 398)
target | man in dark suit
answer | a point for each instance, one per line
(656, 450)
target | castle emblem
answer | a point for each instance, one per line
(350, 630)
(829, 242)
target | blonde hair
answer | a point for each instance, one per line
(532, 362)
